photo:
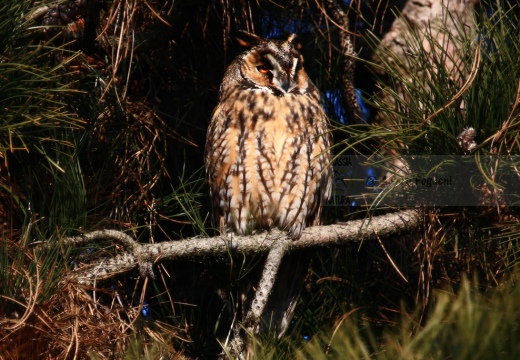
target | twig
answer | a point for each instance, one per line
(472, 75)
(265, 286)
(33, 298)
(119, 236)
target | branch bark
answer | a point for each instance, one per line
(348, 57)
(265, 286)
(135, 254)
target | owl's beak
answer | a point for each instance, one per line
(287, 80)
(282, 80)
(286, 84)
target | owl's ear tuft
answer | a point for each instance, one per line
(293, 39)
(247, 39)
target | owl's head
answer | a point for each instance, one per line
(273, 65)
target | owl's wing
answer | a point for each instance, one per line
(214, 154)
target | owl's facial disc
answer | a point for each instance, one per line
(275, 66)
(281, 75)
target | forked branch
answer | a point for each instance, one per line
(135, 254)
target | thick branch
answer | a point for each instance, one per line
(348, 54)
(143, 255)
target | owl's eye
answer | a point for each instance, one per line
(264, 69)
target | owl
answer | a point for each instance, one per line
(267, 151)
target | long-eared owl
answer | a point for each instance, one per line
(267, 151)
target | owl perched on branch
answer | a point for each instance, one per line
(267, 154)
(267, 148)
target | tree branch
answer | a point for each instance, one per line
(348, 54)
(276, 242)
(144, 255)
(265, 286)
